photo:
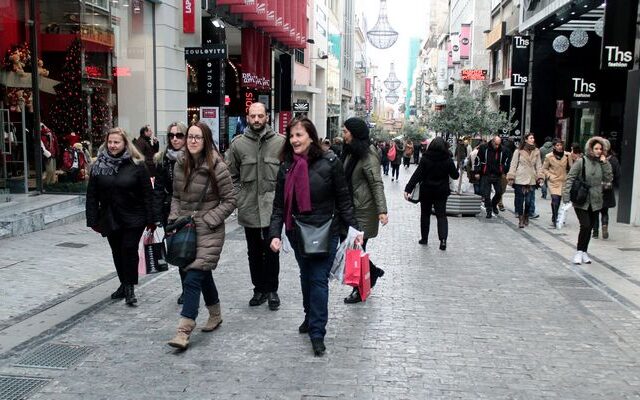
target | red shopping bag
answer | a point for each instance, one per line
(352, 267)
(364, 286)
(391, 154)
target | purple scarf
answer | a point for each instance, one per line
(296, 185)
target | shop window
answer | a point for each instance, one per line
(299, 55)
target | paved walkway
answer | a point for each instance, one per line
(499, 315)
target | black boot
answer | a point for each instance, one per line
(318, 346)
(129, 295)
(304, 326)
(119, 293)
(354, 297)
(375, 274)
(443, 245)
(181, 298)
(595, 233)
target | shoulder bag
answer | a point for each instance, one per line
(313, 241)
(181, 239)
(579, 189)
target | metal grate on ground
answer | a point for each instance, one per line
(629, 248)
(54, 356)
(71, 245)
(19, 387)
(567, 281)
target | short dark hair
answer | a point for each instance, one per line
(315, 150)
(144, 130)
(576, 148)
(558, 140)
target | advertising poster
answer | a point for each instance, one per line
(211, 117)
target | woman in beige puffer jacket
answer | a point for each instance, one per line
(201, 163)
(524, 175)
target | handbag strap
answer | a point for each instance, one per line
(583, 173)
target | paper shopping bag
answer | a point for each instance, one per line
(352, 267)
(364, 286)
(154, 254)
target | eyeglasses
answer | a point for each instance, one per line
(195, 138)
(175, 135)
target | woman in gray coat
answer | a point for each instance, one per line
(597, 171)
(202, 169)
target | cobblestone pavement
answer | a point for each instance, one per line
(493, 317)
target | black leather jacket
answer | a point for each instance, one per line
(330, 197)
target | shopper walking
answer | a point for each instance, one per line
(119, 205)
(594, 169)
(397, 159)
(148, 145)
(546, 148)
(608, 193)
(163, 185)
(201, 174)
(383, 148)
(492, 163)
(525, 173)
(362, 172)
(311, 189)
(253, 162)
(433, 173)
(555, 167)
(407, 154)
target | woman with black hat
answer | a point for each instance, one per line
(362, 172)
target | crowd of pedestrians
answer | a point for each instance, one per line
(295, 190)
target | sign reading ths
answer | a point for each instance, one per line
(583, 89)
(473, 74)
(520, 61)
(209, 52)
(618, 39)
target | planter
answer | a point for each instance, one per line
(463, 204)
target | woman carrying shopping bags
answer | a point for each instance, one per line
(163, 186)
(362, 172)
(525, 174)
(312, 197)
(120, 205)
(201, 174)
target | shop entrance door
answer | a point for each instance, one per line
(585, 120)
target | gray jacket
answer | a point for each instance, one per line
(596, 173)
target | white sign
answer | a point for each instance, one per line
(211, 117)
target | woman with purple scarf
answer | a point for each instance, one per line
(311, 188)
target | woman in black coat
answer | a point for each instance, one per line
(433, 173)
(311, 188)
(163, 186)
(120, 205)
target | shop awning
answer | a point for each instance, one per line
(283, 20)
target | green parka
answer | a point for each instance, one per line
(596, 174)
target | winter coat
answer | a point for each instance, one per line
(399, 150)
(148, 150)
(491, 161)
(68, 156)
(526, 168)
(608, 192)
(253, 161)
(368, 192)
(545, 149)
(120, 201)
(408, 149)
(330, 197)
(433, 173)
(218, 204)
(595, 174)
(163, 186)
(555, 171)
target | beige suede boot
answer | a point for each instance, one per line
(215, 318)
(181, 340)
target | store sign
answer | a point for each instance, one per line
(495, 35)
(473, 74)
(211, 117)
(618, 40)
(188, 16)
(367, 93)
(520, 61)
(583, 89)
(209, 52)
(301, 106)
(284, 119)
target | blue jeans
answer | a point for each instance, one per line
(197, 282)
(527, 199)
(314, 281)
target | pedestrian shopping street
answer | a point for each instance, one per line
(498, 315)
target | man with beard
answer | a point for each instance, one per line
(253, 160)
(491, 164)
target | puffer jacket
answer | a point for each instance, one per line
(218, 204)
(526, 168)
(556, 171)
(433, 173)
(368, 192)
(253, 160)
(596, 173)
(330, 197)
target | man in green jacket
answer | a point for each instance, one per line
(253, 160)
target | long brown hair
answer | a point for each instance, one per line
(209, 149)
(315, 149)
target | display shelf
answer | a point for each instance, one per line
(16, 80)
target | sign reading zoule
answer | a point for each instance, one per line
(618, 40)
(209, 52)
(520, 61)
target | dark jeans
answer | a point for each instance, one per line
(477, 189)
(604, 214)
(124, 247)
(543, 189)
(555, 206)
(385, 167)
(395, 171)
(527, 199)
(486, 182)
(416, 155)
(586, 218)
(264, 264)
(440, 207)
(196, 282)
(406, 161)
(314, 281)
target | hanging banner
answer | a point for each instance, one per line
(188, 16)
(520, 61)
(442, 70)
(249, 58)
(367, 93)
(465, 41)
(449, 54)
(284, 117)
(618, 40)
(455, 48)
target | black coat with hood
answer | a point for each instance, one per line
(433, 173)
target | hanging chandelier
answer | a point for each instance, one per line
(382, 35)
(392, 97)
(392, 82)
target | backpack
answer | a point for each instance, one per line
(391, 154)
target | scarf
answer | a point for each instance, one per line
(296, 187)
(529, 147)
(106, 164)
(173, 154)
(558, 154)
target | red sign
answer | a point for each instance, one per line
(121, 71)
(473, 74)
(93, 71)
(285, 118)
(209, 113)
(188, 16)
(367, 93)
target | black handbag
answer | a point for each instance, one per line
(313, 241)
(181, 238)
(579, 189)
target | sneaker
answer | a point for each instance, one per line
(257, 299)
(274, 301)
(577, 258)
(585, 258)
(534, 216)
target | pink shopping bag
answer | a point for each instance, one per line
(352, 267)
(364, 286)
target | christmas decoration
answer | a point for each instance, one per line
(579, 38)
(392, 82)
(599, 27)
(100, 114)
(18, 59)
(382, 35)
(69, 111)
(391, 97)
(560, 44)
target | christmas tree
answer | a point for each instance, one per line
(68, 113)
(100, 114)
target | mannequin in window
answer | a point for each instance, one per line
(74, 163)
(50, 152)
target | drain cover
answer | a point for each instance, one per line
(71, 245)
(19, 387)
(54, 356)
(567, 281)
(629, 248)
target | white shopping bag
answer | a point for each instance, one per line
(562, 215)
(337, 269)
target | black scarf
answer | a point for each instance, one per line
(558, 154)
(106, 164)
